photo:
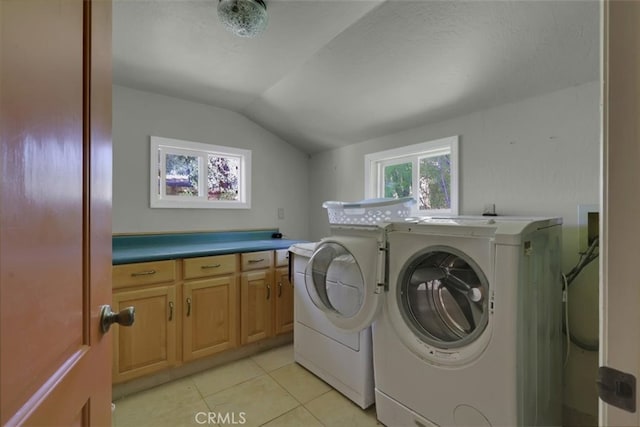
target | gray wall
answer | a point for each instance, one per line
(279, 176)
(539, 156)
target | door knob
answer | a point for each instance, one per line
(124, 317)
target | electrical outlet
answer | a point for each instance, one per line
(280, 213)
(588, 225)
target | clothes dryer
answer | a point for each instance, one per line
(470, 333)
(338, 284)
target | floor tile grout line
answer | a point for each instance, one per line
(311, 412)
(226, 388)
(281, 415)
(251, 358)
(282, 385)
(277, 383)
(299, 406)
(234, 385)
(291, 394)
(200, 398)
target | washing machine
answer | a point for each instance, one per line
(470, 331)
(338, 285)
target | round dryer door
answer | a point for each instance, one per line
(443, 297)
(339, 286)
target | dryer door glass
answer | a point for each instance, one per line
(443, 297)
(334, 280)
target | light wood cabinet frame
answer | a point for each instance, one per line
(194, 308)
(140, 349)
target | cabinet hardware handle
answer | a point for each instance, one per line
(170, 310)
(210, 266)
(279, 289)
(143, 273)
(188, 307)
(253, 261)
(268, 291)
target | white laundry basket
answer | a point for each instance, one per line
(369, 211)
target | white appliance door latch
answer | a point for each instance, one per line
(381, 273)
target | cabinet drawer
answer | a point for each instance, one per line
(282, 257)
(209, 266)
(143, 273)
(256, 260)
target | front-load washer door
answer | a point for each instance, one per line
(443, 297)
(342, 279)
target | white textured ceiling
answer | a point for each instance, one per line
(328, 73)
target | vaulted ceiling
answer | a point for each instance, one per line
(329, 73)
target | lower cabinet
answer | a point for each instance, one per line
(150, 344)
(197, 307)
(255, 302)
(210, 316)
(266, 300)
(283, 301)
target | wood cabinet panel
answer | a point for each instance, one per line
(219, 307)
(149, 345)
(256, 293)
(283, 301)
(210, 316)
(143, 273)
(256, 260)
(195, 268)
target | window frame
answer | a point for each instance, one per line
(374, 164)
(160, 147)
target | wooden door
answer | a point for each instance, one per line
(55, 212)
(150, 344)
(283, 301)
(620, 224)
(255, 305)
(210, 316)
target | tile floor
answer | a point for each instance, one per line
(268, 389)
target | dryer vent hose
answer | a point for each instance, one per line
(585, 259)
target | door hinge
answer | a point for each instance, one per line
(617, 388)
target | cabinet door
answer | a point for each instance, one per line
(149, 345)
(283, 301)
(255, 305)
(210, 316)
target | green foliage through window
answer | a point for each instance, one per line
(427, 171)
(397, 180)
(435, 183)
(186, 174)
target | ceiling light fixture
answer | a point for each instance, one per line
(244, 18)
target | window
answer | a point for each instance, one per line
(427, 172)
(188, 174)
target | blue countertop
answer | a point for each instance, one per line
(155, 247)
